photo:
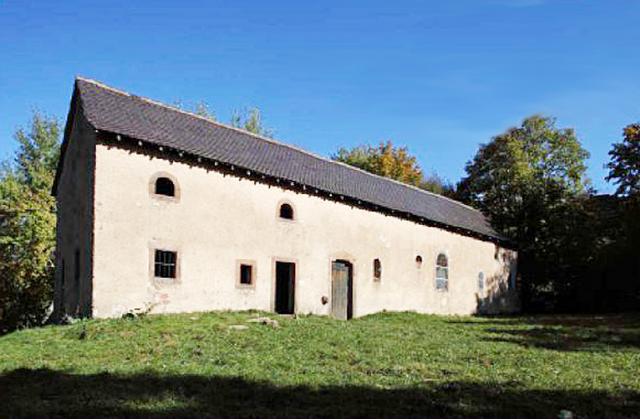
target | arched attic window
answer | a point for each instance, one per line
(442, 272)
(286, 211)
(165, 186)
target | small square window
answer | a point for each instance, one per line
(165, 264)
(246, 274)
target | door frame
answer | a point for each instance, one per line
(351, 295)
(274, 281)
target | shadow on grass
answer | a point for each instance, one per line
(51, 394)
(565, 332)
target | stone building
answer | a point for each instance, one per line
(164, 210)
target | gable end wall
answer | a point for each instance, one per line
(74, 233)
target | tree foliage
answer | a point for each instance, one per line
(529, 181)
(250, 119)
(202, 109)
(393, 162)
(27, 225)
(624, 167)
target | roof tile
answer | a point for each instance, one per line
(115, 111)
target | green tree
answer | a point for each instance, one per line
(624, 167)
(624, 170)
(436, 184)
(393, 162)
(250, 119)
(529, 181)
(200, 108)
(27, 225)
(203, 109)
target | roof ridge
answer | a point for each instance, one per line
(271, 140)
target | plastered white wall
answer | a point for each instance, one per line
(219, 219)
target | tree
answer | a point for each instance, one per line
(436, 184)
(393, 162)
(27, 225)
(250, 120)
(624, 170)
(529, 181)
(624, 167)
(202, 109)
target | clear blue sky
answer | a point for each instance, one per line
(440, 77)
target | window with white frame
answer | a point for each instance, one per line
(442, 272)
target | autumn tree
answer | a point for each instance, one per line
(27, 225)
(393, 162)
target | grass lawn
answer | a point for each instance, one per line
(400, 365)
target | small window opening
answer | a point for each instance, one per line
(165, 264)
(286, 211)
(377, 270)
(63, 275)
(246, 274)
(419, 261)
(165, 186)
(442, 272)
(76, 280)
(76, 268)
(512, 279)
(481, 281)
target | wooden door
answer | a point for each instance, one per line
(341, 290)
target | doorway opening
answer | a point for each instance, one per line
(342, 289)
(285, 287)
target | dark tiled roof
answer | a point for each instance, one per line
(111, 110)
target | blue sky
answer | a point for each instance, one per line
(440, 77)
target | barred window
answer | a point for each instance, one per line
(165, 264)
(442, 272)
(481, 281)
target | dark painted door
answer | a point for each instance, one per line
(285, 287)
(341, 290)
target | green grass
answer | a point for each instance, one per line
(388, 365)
